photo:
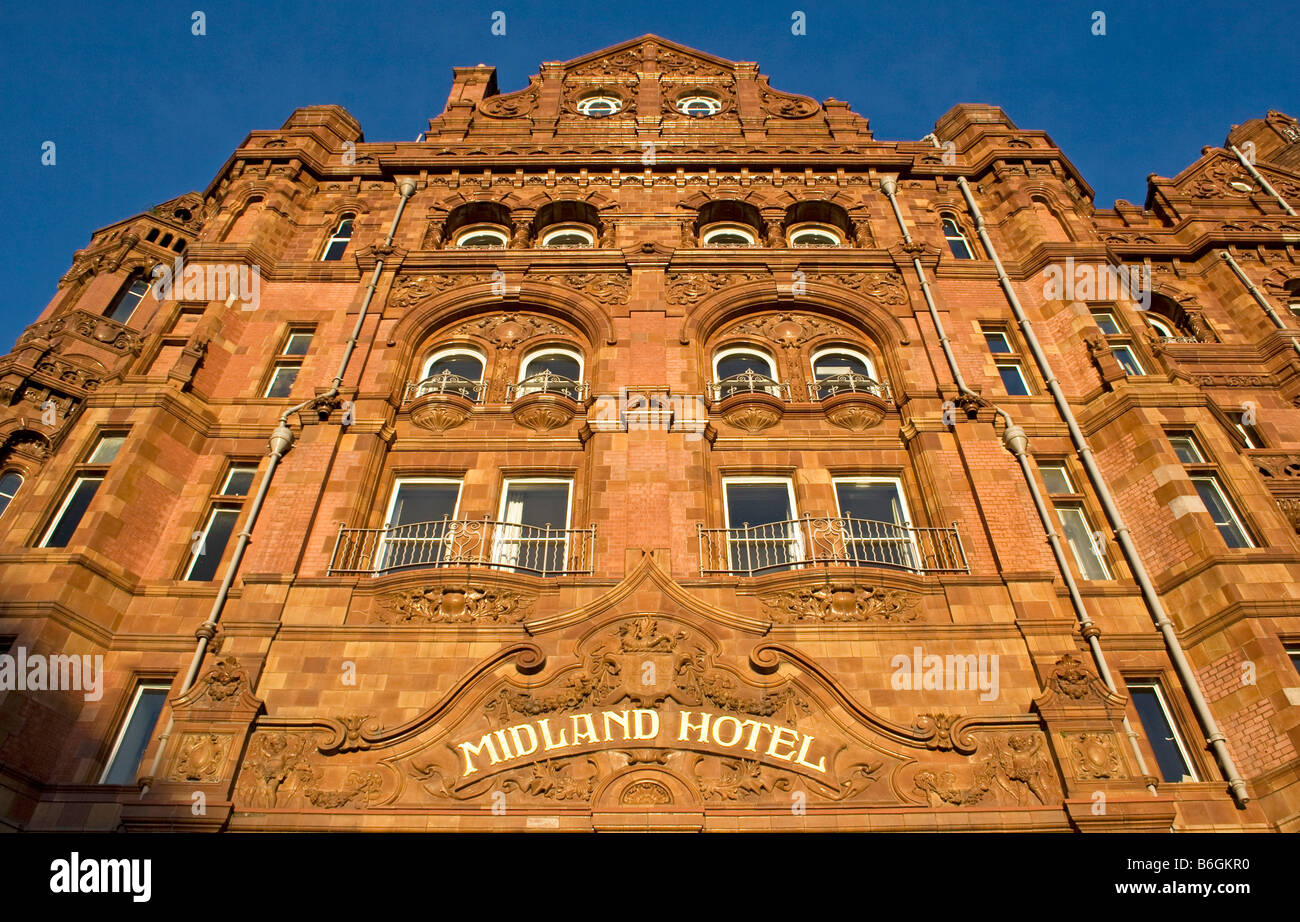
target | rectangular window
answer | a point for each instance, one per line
(1186, 448)
(1106, 323)
(210, 542)
(106, 449)
(1248, 432)
(875, 519)
(71, 510)
(1221, 510)
(762, 535)
(282, 378)
(298, 343)
(532, 534)
(1293, 653)
(1127, 360)
(418, 522)
(239, 480)
(1161, 733)
(998, 343)
(1013, 379)
(133, 739)
(1078, 530)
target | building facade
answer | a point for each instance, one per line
(652, 448)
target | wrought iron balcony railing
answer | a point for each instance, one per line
(747, 382)
(539, 550)
(445, 383)
(846, 384)
(547, 383)
(755, 549)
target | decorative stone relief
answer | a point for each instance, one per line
(841, 603)
(199, 757)
(786, 105)
(412, 289)
(691, 287)
(789, 330)
(506, 331)
(604, 287)
(512, 105)
(884, 287)
(1075, 682)
(1016, 771)
(453, 605)
(1095, 756)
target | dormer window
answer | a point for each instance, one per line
(482, 235)
(599, 106)
(699, 106)
(337, 245)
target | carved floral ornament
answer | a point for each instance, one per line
(645, 712)
(453, 605)
(510, 330)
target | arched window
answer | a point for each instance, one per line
(838, 369)
(553, 370)
(814, 235)
(482, 235)
(599, 106)
(337, 245)
(456, 370)
(699, 106)
(569, 235)
(128, 299)
(10, 483)
(742, 369)
(722, 235)
(1163, 328)
(961, 248)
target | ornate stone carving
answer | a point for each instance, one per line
(1014, 771)
(432, 236)
(786, 105)
(1277, 467)
(412, 289)
(679, 65)
(741, 779)
(648, 793)
(275, 759)
(200, 757)
(841, 603)
(87, 326)
(506, 331)
(224, 680)
(1234, 380)
(607, 288)
(621, 62)
(543, 412)
(883, 287)
(555, 779)
(1073, 681)
(1095, 756)
(691, 287)
(512, 105)
(440, 412)
(453, 605)
(359, 790)
(854, 410)
(790, 330)
(623, 90)
(1290, 506)
(752, 411)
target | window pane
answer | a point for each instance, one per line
(282, 380)
(740, 362)
(82, 492)
(1160, 734)
(9, 485)
(239, 481)
(536, 511)
(878, 501)
(559, 364)
(1294, 654)
(1186, 449)
(126, 302)
(297, 344)
(874, 516)
(106, 449)
(1216, 504)
(1057, 480)
(461, 364)
(4, 503)
(761, 538)
(1127, 360)
(418, 529)
(215, 538)
(335, 250)
(134, 739)
(1078, 534)
(1013, 380)
(997, 342)
(1106, 323)
(839, 363)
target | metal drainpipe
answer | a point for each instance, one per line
(1254, 292)
(280, 442)
(1259, 178)
(1182, 668)
(1016, 441)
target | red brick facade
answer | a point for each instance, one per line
(510, 678)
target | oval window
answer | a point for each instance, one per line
(599, 106)
(699, 106)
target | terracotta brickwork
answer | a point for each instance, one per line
(650, 657)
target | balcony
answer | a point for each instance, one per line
(852, 401)
(442, 401)
(535, 550)
(749, 400)
(753, 550)
(546, 401)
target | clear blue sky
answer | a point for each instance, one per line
(141, 110)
